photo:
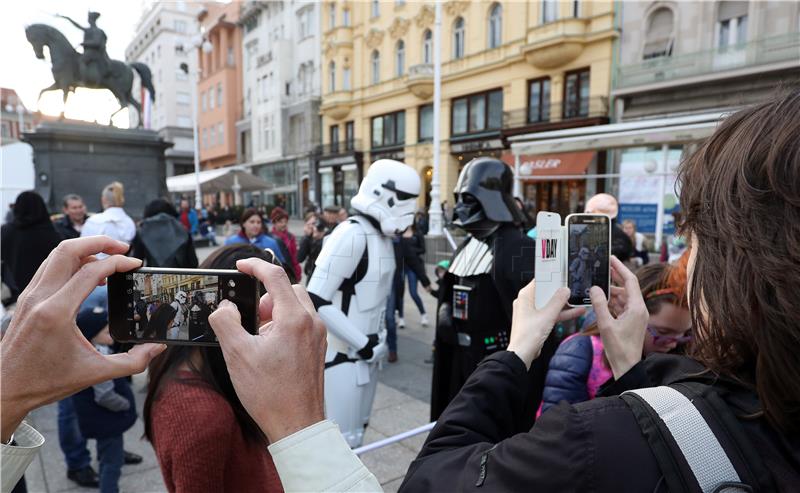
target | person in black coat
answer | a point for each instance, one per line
(315, 229)
(26, 242)
(161, 240)
(71, 223)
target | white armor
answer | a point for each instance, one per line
(177, 305)
(350, 287)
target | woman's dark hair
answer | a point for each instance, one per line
(212, 372)
(248, 213)
(30, 210)
(160, 320)
(740, 197)
(159, 205)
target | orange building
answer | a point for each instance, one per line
(220, 85)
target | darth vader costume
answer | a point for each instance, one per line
(488, 269)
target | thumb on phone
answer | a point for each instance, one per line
(227, 325)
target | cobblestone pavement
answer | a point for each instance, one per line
(401, 403)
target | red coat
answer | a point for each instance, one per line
(290, 241)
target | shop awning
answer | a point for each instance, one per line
(218, 180)
(567, 163)
(674, 130)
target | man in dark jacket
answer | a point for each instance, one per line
(71, 224)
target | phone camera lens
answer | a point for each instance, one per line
(130, 291)
(232, 283)
(231, 294)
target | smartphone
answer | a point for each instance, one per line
(549, 262)
(172, 306)
(589, 251)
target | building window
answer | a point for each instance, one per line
(458, 38)
(183, 98)
(539, 100)
(219, 95)
(184, 121)
(180, 26)
(346, 79)
(203, 101)
(658, 37)
(495, 26)
(399, 3)
(375, 58)
(576, 94)
(478, 112)
(205, 138)
(211, 98)
(220, 134)
(425, 122)
(181, 75)
(389, 130)
(349, 136)
(334, 134)
(332, 77)
(732, 24)
(331, 16)
(346, 17)
(213, 136)
(549, 11)
(576, 8)
(400, 58)
(376, 8)
(427, 47)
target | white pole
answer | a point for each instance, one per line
(435, 211)
(662, 181)
(394, 439)
(198, 204)
(517, 179)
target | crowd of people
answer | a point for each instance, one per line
(713, 330)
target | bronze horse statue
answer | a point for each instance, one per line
(69, 72)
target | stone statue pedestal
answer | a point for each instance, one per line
(83, 158)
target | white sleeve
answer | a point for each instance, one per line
(318, 458)
(17, 458)
(92, 227)
(338, 260)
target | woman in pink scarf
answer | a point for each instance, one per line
(280, 228)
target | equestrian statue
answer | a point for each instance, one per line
(92, 68)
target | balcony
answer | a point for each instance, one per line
(420, 80)
(339, 148)
(784, 49)
(557, 43)
(595, 107)
(336, 105)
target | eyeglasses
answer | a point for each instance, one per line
(662, 340)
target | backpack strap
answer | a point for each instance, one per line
(710, 469)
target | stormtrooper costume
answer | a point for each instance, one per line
(177, 305)
(350, 286)
(477, 292)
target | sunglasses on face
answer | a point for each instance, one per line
(662, 340)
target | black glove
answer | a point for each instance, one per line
(365, 352)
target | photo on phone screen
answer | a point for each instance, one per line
(174, 307)
(588, 258)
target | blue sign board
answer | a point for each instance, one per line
(644, 215)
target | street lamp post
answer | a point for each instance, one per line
(435, 210)
(198, 43)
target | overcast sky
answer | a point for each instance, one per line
(22, 71)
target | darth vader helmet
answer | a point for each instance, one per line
(483, 197)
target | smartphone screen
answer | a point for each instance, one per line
(172, 305)
(589, 243)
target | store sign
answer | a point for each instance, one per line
(477, 145)
(643, 215)
(570, 163)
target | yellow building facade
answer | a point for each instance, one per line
(508, 67)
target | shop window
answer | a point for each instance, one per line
(389, 130)
(576, 94)
(478, 112)
(658, 37)
(539, 100)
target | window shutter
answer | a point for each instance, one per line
(731, 10)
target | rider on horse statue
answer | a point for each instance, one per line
(95, 63)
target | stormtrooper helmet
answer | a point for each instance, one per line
(180, 297)
(388, 193)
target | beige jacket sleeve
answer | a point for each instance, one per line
(15, 459)
(318, 458)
